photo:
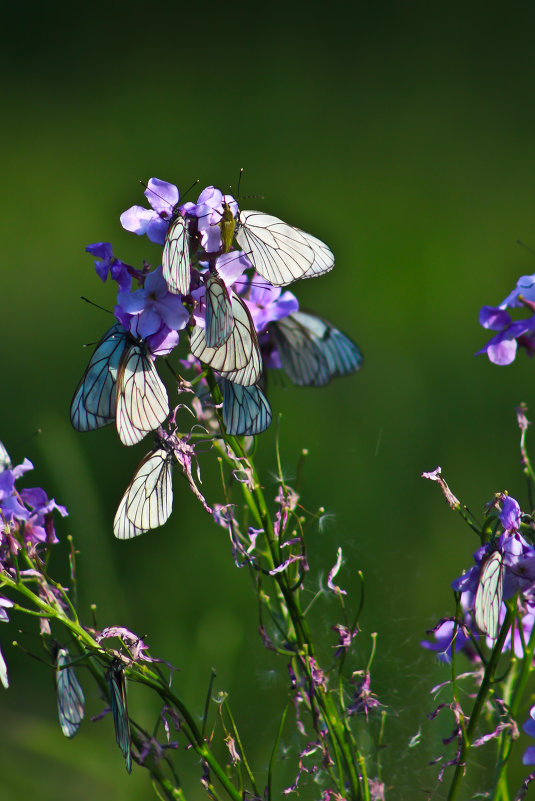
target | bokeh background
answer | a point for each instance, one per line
(402, 134)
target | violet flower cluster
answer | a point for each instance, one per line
(220, 284)
(27, 526)
(496, 600)
(502, 347)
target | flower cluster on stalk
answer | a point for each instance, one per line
(221, 279)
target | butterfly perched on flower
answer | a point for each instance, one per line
(489, 594)
(148, 500)
(120, 383)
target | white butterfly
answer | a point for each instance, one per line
(218, 311)
(280, 252)
(148, 500)
(120, 383)
(142, 403)
(238, 359)
(176, 268)
(489, 595)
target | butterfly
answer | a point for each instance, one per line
(120, 383)
(246, 410)
(219, 317)
(5, 461)
(176, 268)
(489, 594)
(280, 252)
(70, 695)
(312, 351)
(238, 359)
(148, 500)
(119, 708)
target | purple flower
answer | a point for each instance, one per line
(107, 263)
(163, 198)
(39, 525)
(510, 514)
(525, 288)
(502, 348)
(153, 313)
(443, 634)
(269, 303)
(529, 728)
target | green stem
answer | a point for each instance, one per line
(478, 705)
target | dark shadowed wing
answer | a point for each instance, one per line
(246, 410)
(312, 351)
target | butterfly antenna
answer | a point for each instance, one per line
(92, 303)
(191, 187)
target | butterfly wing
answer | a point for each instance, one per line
(70, 695)
(280, 252)
(148, 500)
(239, 356)
(93, 404)
(489, 595)
(119, 708)
(219, 317)
(175, 257)
(142, 403)
(312, 351)
(5, 461)
(246, 410)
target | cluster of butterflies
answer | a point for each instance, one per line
(121, 382)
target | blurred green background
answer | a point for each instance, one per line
(403, 135)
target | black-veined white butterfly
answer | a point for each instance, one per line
(312, 351)
(246, 410)
(280, 252)
(120, 383)
(219, 317)
(119, 709)
(5, 461)
(148, 499)
(489, 594)
(176, 268)
(238, 359)
(70, 695)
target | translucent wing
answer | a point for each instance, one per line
(280, 252)
(148, 500)
(246, 410)
(93, 404)
(5, 461)
(219, 316)
(119, 708)
(142, 403)
(312, 351)
(239, 355)
(175, 257)
(489, 595)
(70, 695)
